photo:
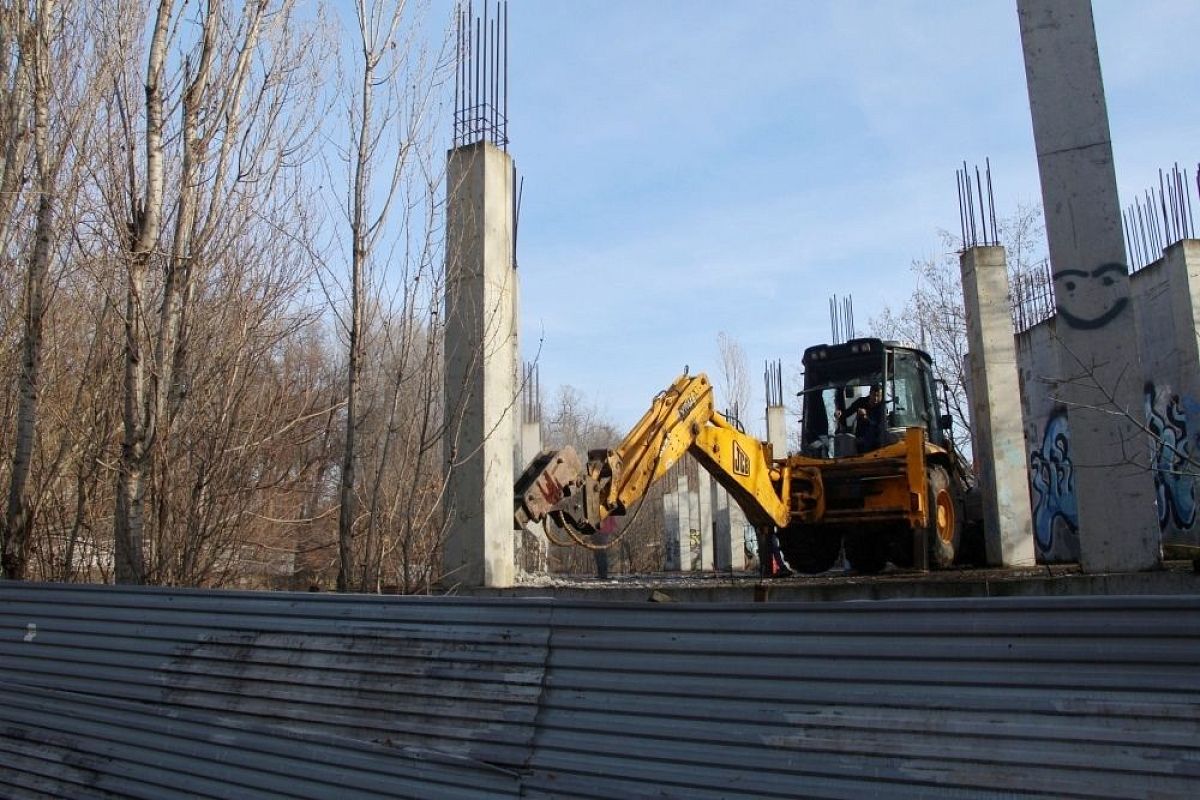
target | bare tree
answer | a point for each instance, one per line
(733, 373)
(236, 139)
(933, 316)
(392, 184)
(144, 222)
(63, 79)
(182, 242)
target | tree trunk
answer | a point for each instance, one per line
(144, 226)
(19, 518)
(15, 90)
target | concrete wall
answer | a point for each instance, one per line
(481, 368)
(1169, 294)
(704, 529)
(1166, 297)
(729, 524)
(1048, 444)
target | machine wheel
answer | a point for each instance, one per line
(945, 525)
(867, 552)
(807, 550)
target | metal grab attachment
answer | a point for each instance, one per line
(552, 477)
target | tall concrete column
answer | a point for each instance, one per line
(998, 435)
(1101, 375)
(480, 367)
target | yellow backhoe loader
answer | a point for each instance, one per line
(876, 474)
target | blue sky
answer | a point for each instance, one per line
(697, 167)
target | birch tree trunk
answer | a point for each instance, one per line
(15, 38)
(358, 256)
(18, 519)
(144, 226)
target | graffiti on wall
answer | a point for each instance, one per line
(1171, 459)
(1056, 508)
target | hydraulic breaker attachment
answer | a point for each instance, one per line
(553, 477)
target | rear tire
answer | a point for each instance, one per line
(807, 550)
(945, 523)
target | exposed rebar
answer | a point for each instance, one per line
(977, 206)
(773, 378)
(481, 75)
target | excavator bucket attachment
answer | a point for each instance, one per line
(550, 477)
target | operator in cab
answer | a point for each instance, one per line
(865, 416)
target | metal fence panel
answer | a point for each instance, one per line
(130, 692)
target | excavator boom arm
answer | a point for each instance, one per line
(680, 419)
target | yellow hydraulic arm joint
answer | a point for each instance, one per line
(743, 465)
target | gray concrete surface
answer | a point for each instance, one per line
(704, 518)
(1097, 331)
(996, 427)
(777, 430)
(481, 368)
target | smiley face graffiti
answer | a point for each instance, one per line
(1089, 300)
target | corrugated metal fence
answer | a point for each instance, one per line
(119, 692)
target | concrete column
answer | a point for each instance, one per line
(722, 542)
(671, 533)
(737, 538)
(1101, 375)
(531, 443)
(996, 424)
(695, 548)
(704, 519)
(480, 379)
(1181, 261)
(533, 549)
(777, 430)
(685, 519)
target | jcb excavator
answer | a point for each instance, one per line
(877, 474)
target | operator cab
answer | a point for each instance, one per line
(840, 416)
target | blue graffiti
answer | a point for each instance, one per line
(1170, 458)
(1053, 477)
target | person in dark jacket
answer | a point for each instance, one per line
(866, 416)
